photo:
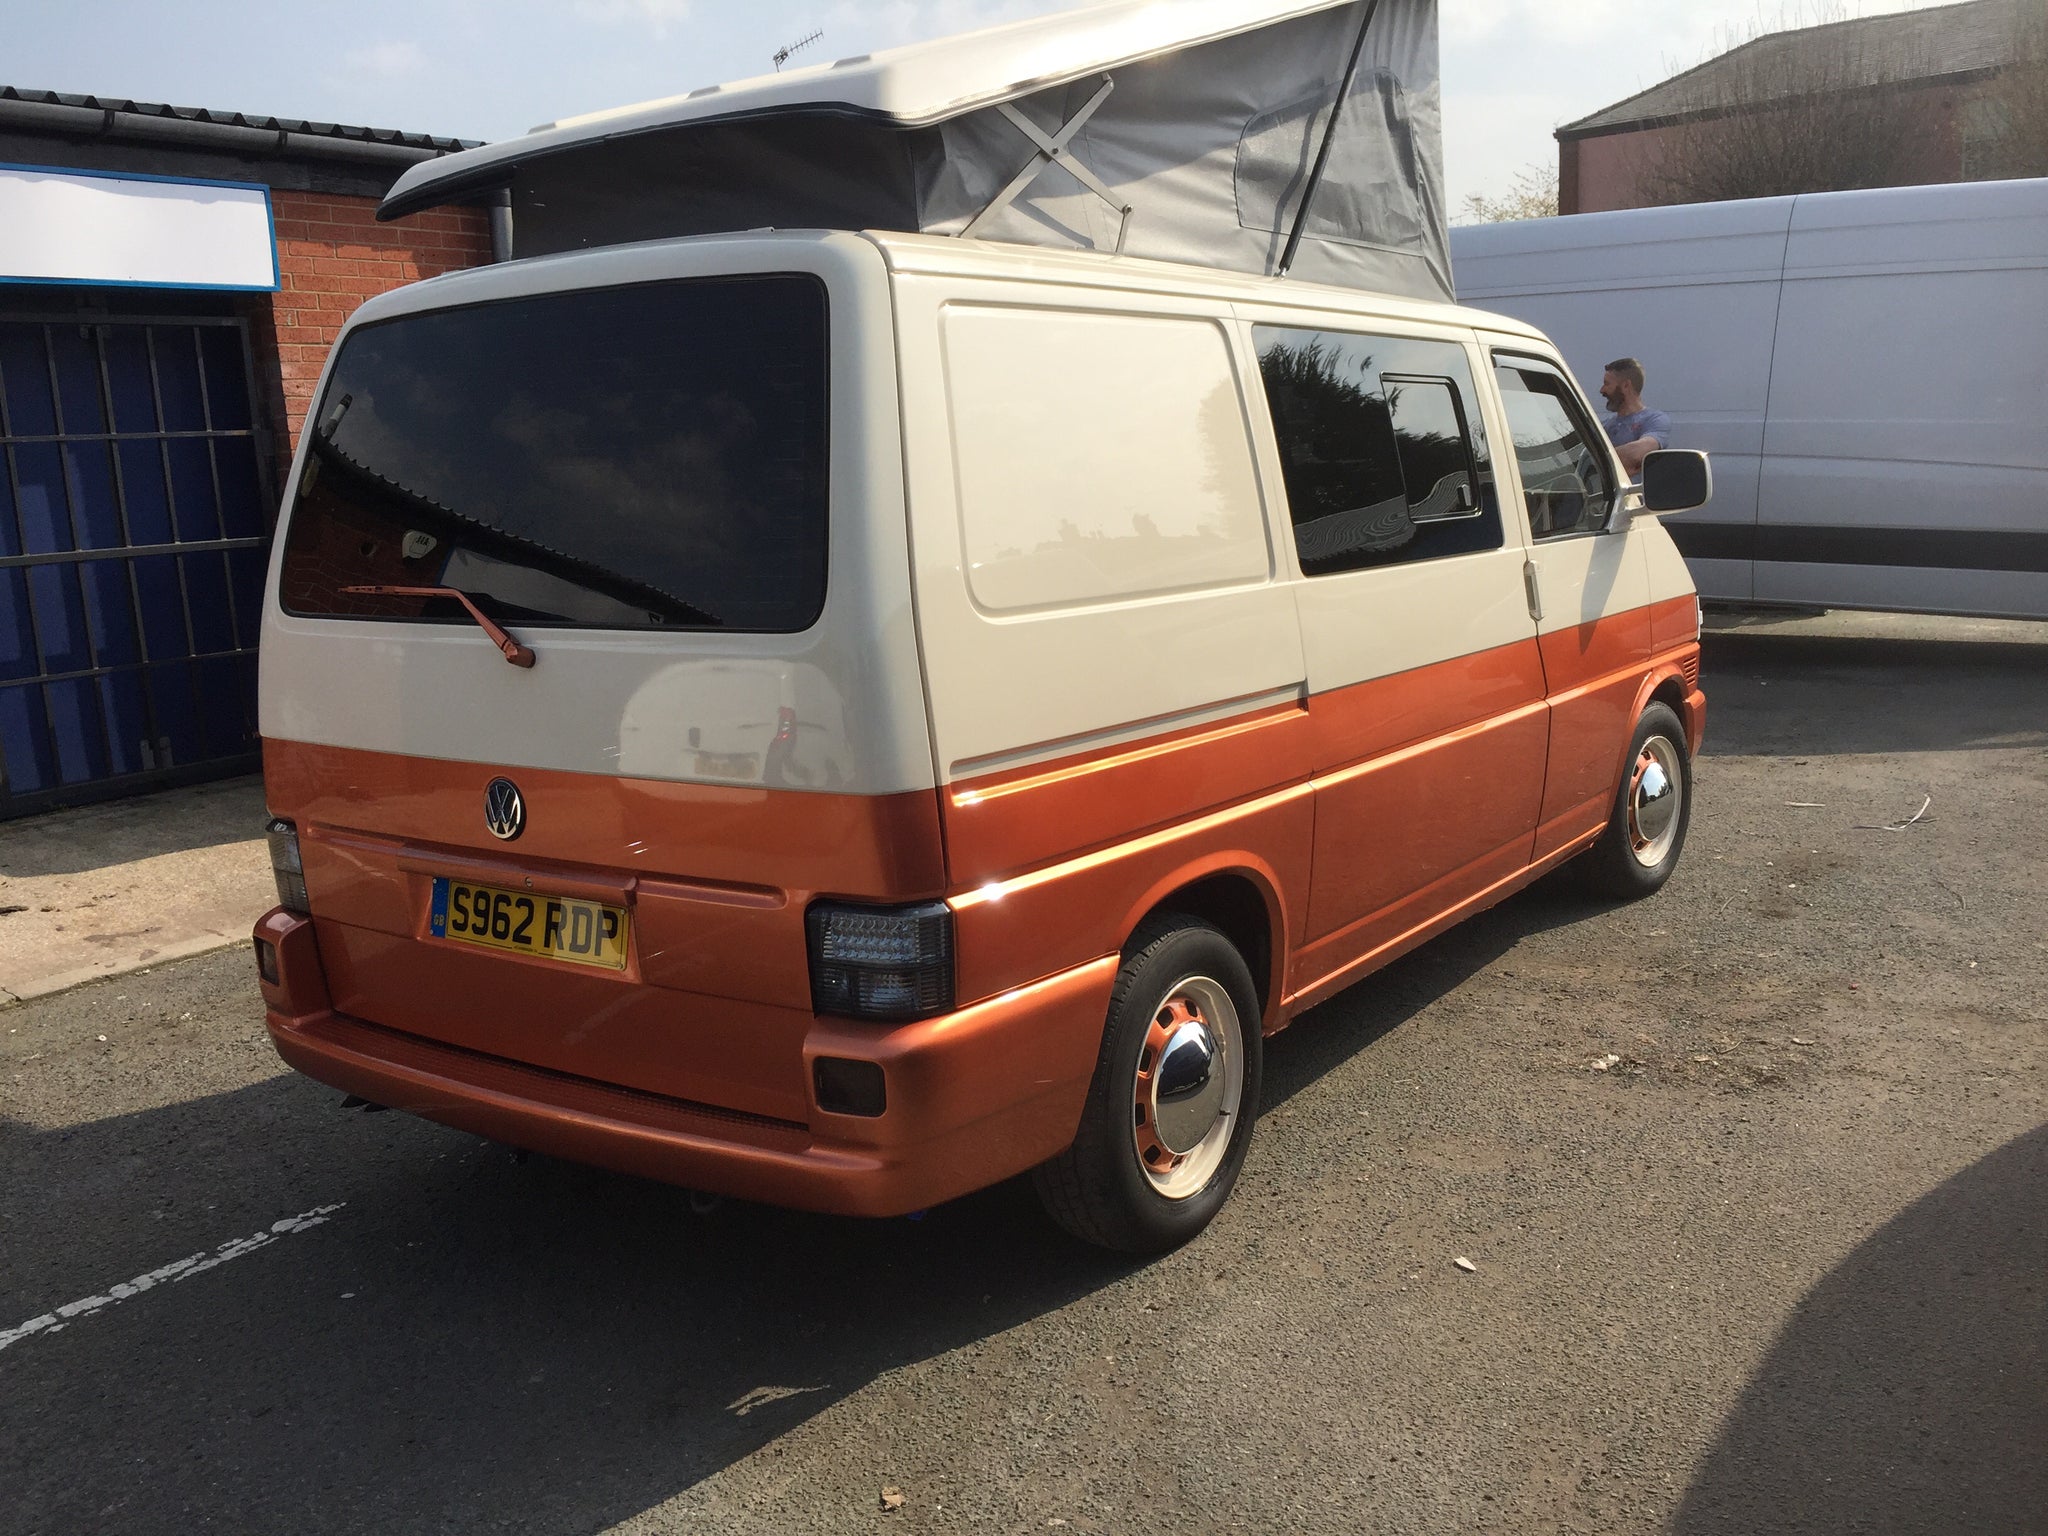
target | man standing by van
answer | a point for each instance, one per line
(1634, 429)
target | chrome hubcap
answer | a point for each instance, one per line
(1189, 1084)
(1187, 1090)
(1656, 792)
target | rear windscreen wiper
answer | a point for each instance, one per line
(517, 654)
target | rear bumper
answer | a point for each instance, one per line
(973, 1098)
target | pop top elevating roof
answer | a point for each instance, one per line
(1191, 130)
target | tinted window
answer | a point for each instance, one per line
(625, 458)
(1566, 481)
(1384, 457)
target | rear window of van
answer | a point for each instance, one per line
(648, 457)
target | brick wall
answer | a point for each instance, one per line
(332, 254)
(1600, 172)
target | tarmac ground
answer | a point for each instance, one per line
(1753, 1178)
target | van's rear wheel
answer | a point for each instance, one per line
(1652, 809)
(1169, 1114)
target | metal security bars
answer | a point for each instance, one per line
(133, 542)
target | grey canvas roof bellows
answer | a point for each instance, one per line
(1184, 132)
(1939, 41)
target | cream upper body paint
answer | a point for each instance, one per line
(640, 705)
(1057, 524)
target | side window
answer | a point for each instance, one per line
(1384, 456)
(1566, 478)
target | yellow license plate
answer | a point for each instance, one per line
(547, 927)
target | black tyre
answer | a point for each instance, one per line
(1169, 1114)
(1646, 833)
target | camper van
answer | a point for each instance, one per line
(1866, 368)
(844, 718)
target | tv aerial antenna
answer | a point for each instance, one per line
(789, 50)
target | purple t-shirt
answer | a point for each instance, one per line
(1623, 430)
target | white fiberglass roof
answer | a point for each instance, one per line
(912, 86)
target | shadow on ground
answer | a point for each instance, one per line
(1909, 1392)
(1327, 1036)
(1787, 694)
(476, 1342)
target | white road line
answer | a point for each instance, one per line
(183, 1269)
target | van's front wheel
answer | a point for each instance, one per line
(1169, 1113)
(1646, 832)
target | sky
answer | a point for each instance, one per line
(1513, 70)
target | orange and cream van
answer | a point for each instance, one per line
(842, 719)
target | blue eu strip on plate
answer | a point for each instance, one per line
(438, 924)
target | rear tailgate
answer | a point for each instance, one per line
(673, 475)
(714, 1001)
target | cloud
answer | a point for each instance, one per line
(388, 61)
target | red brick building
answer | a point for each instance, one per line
(1929, 77)
(151, 392)
(332, 254)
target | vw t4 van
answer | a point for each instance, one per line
(846, 718)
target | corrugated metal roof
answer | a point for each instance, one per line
(168, 115)
(1969, 38)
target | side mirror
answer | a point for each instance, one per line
(1676, 480)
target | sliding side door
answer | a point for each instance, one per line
(1425, 689)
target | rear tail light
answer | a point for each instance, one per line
(890, 964)
(288, 866)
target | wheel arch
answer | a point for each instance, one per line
(1664, 684)
(1238, 894)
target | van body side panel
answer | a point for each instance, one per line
(1092, 561)
(1110, 660)
(1425, 688)
(1428, 770)
(1442, 804)
(1001, 824)
(1596, 672)
(1591, 575)
(1093, 901)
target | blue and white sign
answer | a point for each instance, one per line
(88, 227)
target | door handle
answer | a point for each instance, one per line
(1533, 588)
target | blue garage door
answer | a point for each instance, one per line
(133, 540)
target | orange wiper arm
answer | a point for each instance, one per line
(517, 654)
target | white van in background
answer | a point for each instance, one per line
(1869, 371)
